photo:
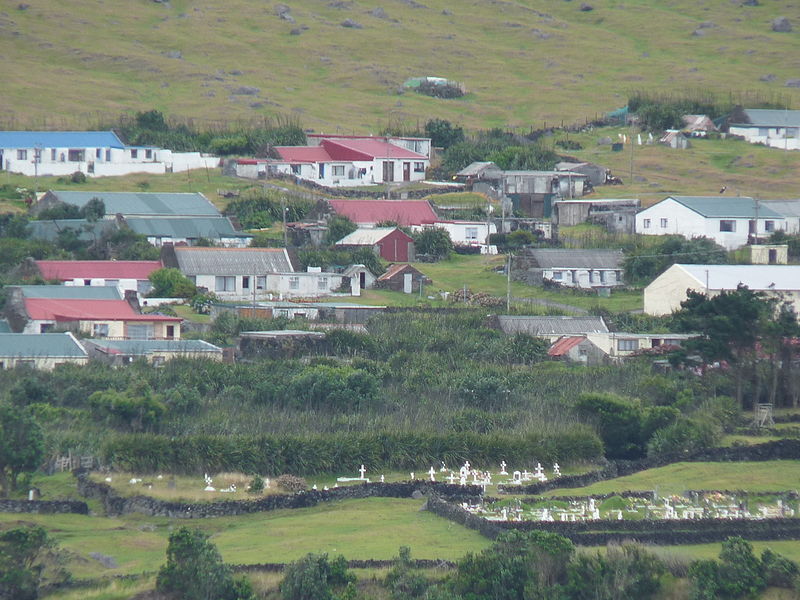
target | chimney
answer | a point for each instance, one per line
(132, 298)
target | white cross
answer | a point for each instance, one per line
(362, 470)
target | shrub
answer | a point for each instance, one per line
(779, 571)
(291, 483)
(77, 177)
(256, 485)
(314, 577)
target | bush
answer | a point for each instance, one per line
(77, 177)
(433, 242)
(291, 483)
(313, 577)
(256, 485)
(684, 436)
(779, 571)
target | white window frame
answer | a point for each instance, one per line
(337, 170)
(769, 226)
(22, 154)
(664, 221)
(225, 283)
(294, 282)
(99, 329)
(322, 283)
(646, 223)
(728, 223)
(471, 233)
(627, 345)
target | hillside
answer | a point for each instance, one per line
(523, 62)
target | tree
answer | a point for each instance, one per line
(93, 210)
(433, 241)
(21, 444)
(194, 570)
(618, 421)
(443, 133)
(626, 571)
(403, 582)
(730, 324)
(25, 564)
(644, 263)
(313, 577)
(740, 571)
(171, 283)
(338, 227)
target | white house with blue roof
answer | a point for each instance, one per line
(94, 153)
(729, 221)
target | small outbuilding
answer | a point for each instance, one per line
(402, 278)
(390, 243)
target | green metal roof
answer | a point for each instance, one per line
(70, 292)
(4, 326)
(40, 345)
(144, 347)
(185, 227)
(150, 203)
(87, 231)
(738, 207)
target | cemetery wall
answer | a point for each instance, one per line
(44, 506)
(116, 504)
(787, 449)
(455, 513)
(783, 494)
(420, 563)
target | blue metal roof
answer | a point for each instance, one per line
(60, 139)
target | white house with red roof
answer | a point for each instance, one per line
(123, 274)
(348, 161)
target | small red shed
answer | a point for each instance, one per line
(390, 243)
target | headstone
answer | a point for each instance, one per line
(432, 473)
(412, 475)
(462, 480)
(556, 470)
(362, 471)
(108, 479)
(517, 477)
(209, 487)
(314, 487)
(443, 468)
(451, 478)
(382, 481)
(503, 468)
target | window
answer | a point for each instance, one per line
(419, 167)
(295, 169)
(87, 282)
(158, 361)
(192, 278)
(225, 283)
(98, 153)
(558, 275)
(663, 223)
(108, 155)
(627, 345)
(45, 327)
(74, 155)
(261, 282)
(727, 225)
(170, 332)
(646, 223)
(134, 153)
(148, 154)
(602, 276)
(26, 363)
(22, 155)
(791, 132)
(471, 233)
(322, 283)
(100, 329)
(53, 154)
(769, 225)
(337, 170)
(294, 283)
(246, 282)
(112, 282)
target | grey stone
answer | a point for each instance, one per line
(586, 7)
(767, 78)
(23, 6)
(781, 25)
(446, 12)
(282, 9)
(235, 73)
(793, 83)
(698, 33)
(707, 25)
(296, 31)
(174, 54)
(288, 18)
(246, 90)
(351, 24)
(604, 141)
(417, 495)
(107, 561)
(378, 13)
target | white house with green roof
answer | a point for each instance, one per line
(729, 221)
(40, 350)
(776, 128)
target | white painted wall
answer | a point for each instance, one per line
(584, 278)
(225, 242)
(44, 363)
(302, 285)
(356, 173)
(669, 217)
(775, 137)
(140, 286)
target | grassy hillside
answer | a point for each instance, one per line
(524, 61)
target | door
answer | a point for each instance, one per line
(170, 332)
(406, 171)
(362, 280)
(773, 256)
(388, 171)
(322, 170)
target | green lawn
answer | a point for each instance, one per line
(678, 477)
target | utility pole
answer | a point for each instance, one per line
(284, 208)
(508, 284)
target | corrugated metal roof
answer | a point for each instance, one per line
(763, 117)
(476, 168)
(577, 259)
(40, 345)
(60, 139)
(185, 227)
(755, 277)
(232, 261)
(4, 326)
(150, 203)
(70, 292)
(564, 345)
(366, 237)
(736, 207)
(87, 231)
(145, 347)
(785, 208)
(65, 270)
(402, 212)
(552, 325)
(70, 309)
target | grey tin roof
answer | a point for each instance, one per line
(144, 347)
(185, 227)
(552, 325)
(151, 203)
(70, 292)
(232, 261)
(763, 117)
(577, 259)
(4, 326)
(736, 207)
(33, 345)
(785, 208)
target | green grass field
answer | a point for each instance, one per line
(522, 62)
(678, 477)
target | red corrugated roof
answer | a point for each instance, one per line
(564, 345)
(403, 212)
(46, 309)
(369, 148)
(64, 270)
(303, 154)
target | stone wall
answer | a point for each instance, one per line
(115, 504)
(44, 507)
